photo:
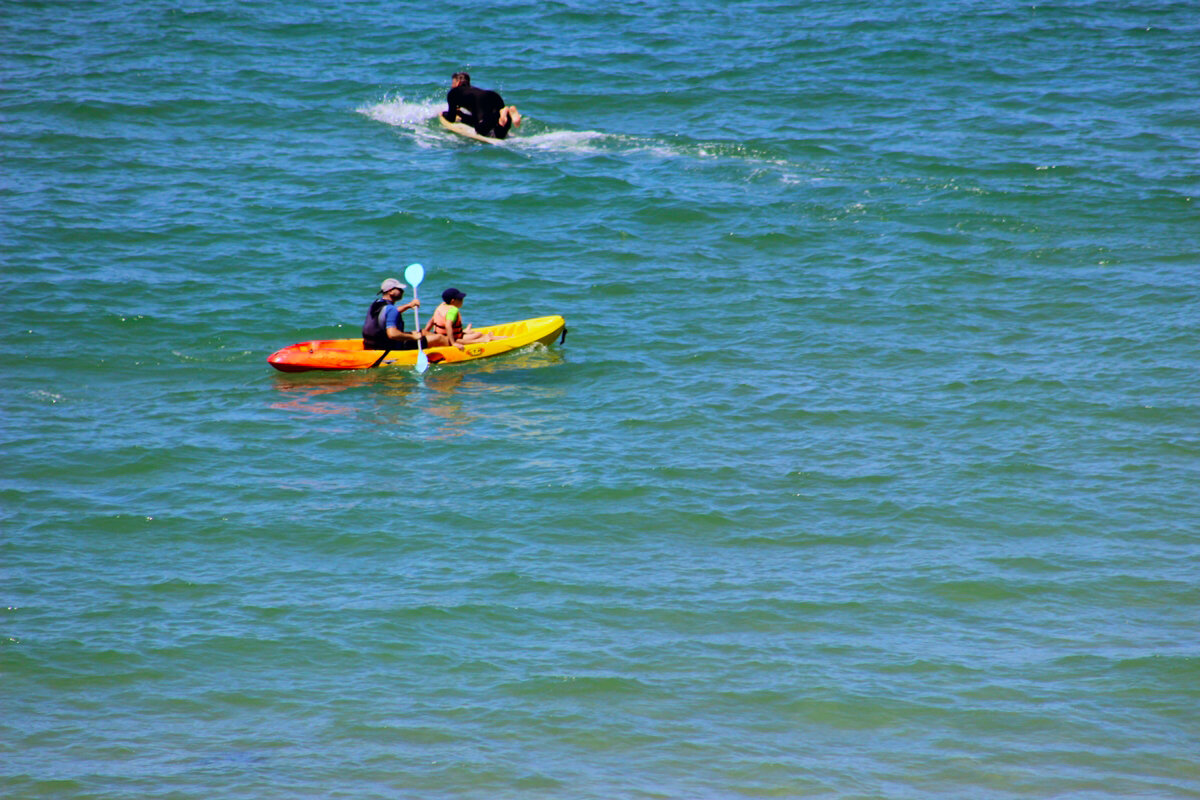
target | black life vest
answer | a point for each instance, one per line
(374, 329)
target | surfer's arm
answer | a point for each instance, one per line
(455, 110)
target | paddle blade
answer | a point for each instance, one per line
(414, 274)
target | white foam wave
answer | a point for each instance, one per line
(400, 112)
(563, 141)
(416, 118)
(413, 117)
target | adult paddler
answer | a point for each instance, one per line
(383, 328)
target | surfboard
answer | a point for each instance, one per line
(466, 130)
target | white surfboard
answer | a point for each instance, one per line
(463, 129)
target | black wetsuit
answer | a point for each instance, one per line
(479, 108)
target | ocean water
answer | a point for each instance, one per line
(868, 467)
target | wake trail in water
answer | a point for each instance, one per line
(416, 120)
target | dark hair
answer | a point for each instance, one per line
(461, 76)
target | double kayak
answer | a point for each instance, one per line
(349, 353)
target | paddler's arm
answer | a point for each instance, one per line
(395, 333)
(392, 330)
(425, 331)
(415, 335)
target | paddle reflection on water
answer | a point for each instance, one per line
(455, 387)
(308, 391)
(390, 388)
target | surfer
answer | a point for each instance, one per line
(383, 329)
(446, 328)
(482, 109)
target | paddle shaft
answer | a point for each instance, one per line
(415, 274)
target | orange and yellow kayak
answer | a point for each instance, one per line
(349, 353)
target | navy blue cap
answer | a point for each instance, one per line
(452, 294)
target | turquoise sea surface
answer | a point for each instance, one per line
(869, 467)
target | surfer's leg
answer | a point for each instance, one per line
(505, 120)
(489, 118)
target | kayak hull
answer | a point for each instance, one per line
(341, 354)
